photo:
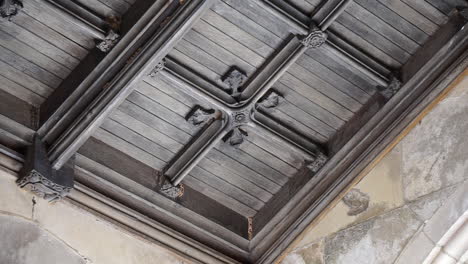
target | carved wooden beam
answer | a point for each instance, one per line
(325, 16)
(88, 112)
(10, 8)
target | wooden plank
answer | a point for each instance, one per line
(139, 141)
(427, 10)
(324, 87)
(394, 19)
(155, 122)
(25, 80)
(146, 131)
(20, 92)
(327, 58)
(60, 22)
(40, 44)
(98, 7)
(120, 6)
(238, 34)
(306, 119)
(16, 109)
(228, 43)
(268, 158)
(256, 163)
(366, 31)
(162, 112)
(411, 15)
(170, 90)
(167, 101)
(202, 57)
(390, 32)
(242, 170)
(218, 52)
(290, 123)
(304, 6)
(221, 185)
(309, 106)
(29, 23)
(21, 49)
(362, 42)
(247, 24)
(335, 79)
(120, 144)
(262, 17)
(316, 97)
(235, 179)
(446, 6)
(221, 197)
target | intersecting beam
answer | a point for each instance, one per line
(120, 86)
(340, 47)
(242, 113)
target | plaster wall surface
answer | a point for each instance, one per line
(416, 193)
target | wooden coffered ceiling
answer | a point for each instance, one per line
(224, 125)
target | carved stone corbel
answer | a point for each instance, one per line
(38, 176)
(167, 188)
(318, 163)
(109, 41)
(315, 38)
(158, 68)
(10, 8)
(391, 89)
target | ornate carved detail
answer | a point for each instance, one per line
(272, 100)
(315, 38)
(165, 187)
(38, 176)
(463, 11)
(357, 201)
(109, 41)
(159, 67)
(235, 137)
(392, 88)
(10, 8)
(240, 118)
(199, 116)
(43, 187)
(235, 78)
(318, 163)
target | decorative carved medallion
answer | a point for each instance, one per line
(236, 136)
(235, 78)
(272, 100)
(240, 118)
(315, 38)
(43, 187)
(392, 88)
(159, 67)
(318, 163)
(357, 201)
(109, 41)
(199, 116)
(10, 8)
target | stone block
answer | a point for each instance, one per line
(376, 241)
(23, 242)
(14, 200)
(417, 249)
(426, 206)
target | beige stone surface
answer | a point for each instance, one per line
(12, 199)
(383, 186)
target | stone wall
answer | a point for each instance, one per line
(33, 231)
(401, 209)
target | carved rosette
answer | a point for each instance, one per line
(109, 41)
(392, 88)
(234, 79)
(158, 68)
(199, 116)
(318, 163)
(43, 187)
(315, 38)
(10, 8)
(272, 100)
(240, 118)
